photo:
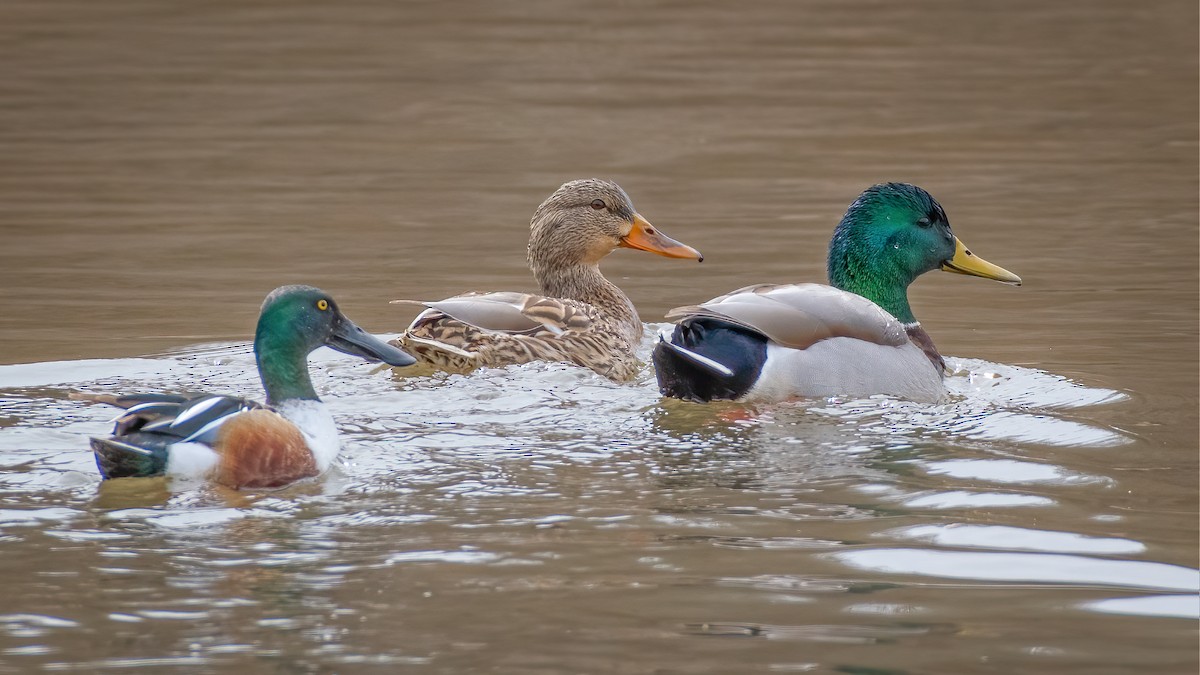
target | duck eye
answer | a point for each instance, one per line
(599, 204)
(924, 221)
(322, 304)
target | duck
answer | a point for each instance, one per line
(577, 316)
(237, 442)
(855, 337)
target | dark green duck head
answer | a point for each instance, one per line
(892, 234)
(296, 320)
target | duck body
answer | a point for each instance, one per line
(773, 342)
(477, 330)
(577, 317)
(235, 441)
(855, 338)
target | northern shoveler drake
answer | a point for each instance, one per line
(577, 316)
(238, 442)
(857, 337)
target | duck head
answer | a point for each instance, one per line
(890, 235)
(294, 321)
(585, 220)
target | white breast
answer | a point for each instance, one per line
(316, 423)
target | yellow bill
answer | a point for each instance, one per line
(965, 262)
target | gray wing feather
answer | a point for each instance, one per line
(798, 315)
(489, 312)
(510, 312)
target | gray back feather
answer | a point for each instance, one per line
(798, 315)
(511, 312)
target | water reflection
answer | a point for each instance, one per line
(1016, 538)
(1024, 567)
(501, 469)
(465, 425)
(1174, 606)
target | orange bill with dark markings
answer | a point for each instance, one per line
(645, 237)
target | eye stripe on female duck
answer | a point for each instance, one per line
(234, 441)
(772, 342)
(578, 317)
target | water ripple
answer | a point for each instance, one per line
(1023, 567)
(1016, 538)
(1170, 606)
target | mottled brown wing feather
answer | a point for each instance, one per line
(557, 315)
(499, 329)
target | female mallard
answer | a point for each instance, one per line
(234, 441)
(579, 316)
(856, 338)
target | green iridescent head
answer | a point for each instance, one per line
(295, 320)
(890, 235)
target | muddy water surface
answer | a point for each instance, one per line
(164, 165)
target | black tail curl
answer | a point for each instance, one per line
(709, 359)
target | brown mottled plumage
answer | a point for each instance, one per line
(579, 316)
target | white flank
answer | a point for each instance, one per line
(845, 366)
(190, 460)
(315, 422)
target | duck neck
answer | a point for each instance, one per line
(875, 279)
(585, 283)
(283, 368)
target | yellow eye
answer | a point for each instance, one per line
(322, 304)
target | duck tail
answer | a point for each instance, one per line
(121, 458)
(704, 359)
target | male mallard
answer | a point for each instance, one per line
(856, 338)
(234, 441)
(579, 316)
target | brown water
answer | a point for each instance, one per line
(164, 165)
